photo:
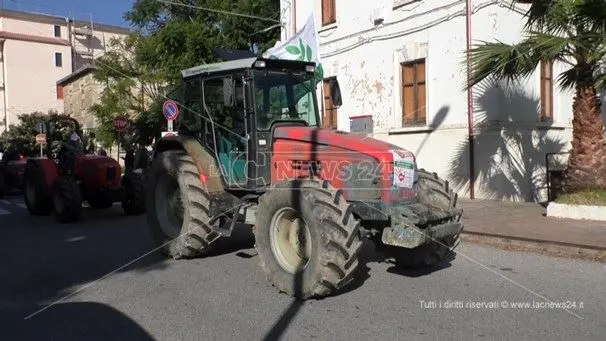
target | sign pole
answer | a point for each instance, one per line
(41, 140)
(119, 146)
(170, 109)
(120, 124)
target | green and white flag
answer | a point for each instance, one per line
(304, 45)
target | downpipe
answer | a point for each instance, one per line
(3, 55)
(470, 118)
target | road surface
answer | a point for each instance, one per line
(100, 279)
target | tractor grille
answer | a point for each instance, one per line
(111, 173)
(364, 181)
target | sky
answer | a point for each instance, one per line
(107, 12)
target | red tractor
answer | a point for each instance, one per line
(12, 166)
(250, 150)
(60, 185)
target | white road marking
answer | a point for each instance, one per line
(22, 205)
(6, 202)
(4, 212)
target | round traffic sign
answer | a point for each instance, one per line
(120, 123)
(41, 138)
(170, 109)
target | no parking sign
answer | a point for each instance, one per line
(170, 109)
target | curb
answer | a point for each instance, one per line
(578, 212)
(556, 249)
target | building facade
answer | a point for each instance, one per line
(403, 62)
(38, 50)
(80, 91)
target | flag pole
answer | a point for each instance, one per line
(322, 113)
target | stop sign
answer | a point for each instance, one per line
(41, 138)
(120, 123)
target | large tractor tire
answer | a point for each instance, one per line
(134, 193)
(36, 199)
(67, 199)
(178, 206)
(433, 191)
(307, 239)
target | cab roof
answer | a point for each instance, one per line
(247, 63)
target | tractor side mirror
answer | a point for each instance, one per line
(335, 92)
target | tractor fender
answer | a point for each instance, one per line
(206, 164)
(50, 170)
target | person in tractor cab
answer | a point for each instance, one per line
(72, 148)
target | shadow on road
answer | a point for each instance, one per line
(72, 321)
(44, 261)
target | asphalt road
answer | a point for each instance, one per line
(81, 269)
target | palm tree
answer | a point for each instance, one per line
(572, 32)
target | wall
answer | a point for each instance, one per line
(33, 28)
(31, 76)
(510, 142)
(29, 60)
(80, 95)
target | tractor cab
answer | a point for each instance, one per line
(233, 108)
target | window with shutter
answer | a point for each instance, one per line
(546, 91)
(413, 93)
(328, 12)
(329, 116)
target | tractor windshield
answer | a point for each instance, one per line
(285, 96)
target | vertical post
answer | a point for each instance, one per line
(41, 150)
(470, 121)
(119, 146)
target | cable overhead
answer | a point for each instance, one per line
(250, 16)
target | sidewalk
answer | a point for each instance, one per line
(523, 226)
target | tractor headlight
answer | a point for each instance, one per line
(310, 68)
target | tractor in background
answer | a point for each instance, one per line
(250, 150)
(60, 184)
(12, 166)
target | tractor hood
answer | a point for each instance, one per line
(382, 151)
(397, 169)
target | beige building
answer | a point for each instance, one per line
(80, 92)
(36, 51)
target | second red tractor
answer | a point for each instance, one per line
(60, 185)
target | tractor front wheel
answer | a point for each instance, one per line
(307, 238)
(36, 199)
(67, 199)
(178, 206)
(133, 202)
(435, 192)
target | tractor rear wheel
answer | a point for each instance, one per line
(134, 193)
(67, 199)
(178, 206)
(36, 199)
(433, 191)
(307, 238)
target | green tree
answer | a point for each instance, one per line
(572, 32)
(21, 137)
(130, 89)
(171, 38)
